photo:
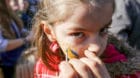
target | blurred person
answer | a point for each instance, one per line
(23, 10)
(13, 38)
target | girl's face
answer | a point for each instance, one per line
(85, 29)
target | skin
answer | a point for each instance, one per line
(82, 33)
(18, 5)
(13, 4)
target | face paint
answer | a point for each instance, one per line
(71, 54)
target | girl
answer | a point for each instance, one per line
(71, 37)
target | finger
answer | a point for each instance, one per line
(98, 69)
(66, 71)
(93, 56)
(82, 69)
(93, 65)
(90, 53)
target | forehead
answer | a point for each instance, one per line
(88, 16)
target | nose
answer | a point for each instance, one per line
(93, 48)
(94, 45)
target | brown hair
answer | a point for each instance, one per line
(6, 17)
(53, 11)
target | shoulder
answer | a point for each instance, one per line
(39, 66)
(42, 71)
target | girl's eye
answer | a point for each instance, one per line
(77, 34)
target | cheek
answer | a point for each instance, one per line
(77, 49)
(63, 45)
(62, 41)
(80, 51)
(102, 45)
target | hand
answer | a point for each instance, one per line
(30, 37)
(87, 67)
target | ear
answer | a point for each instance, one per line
(48, 31)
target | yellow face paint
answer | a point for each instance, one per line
(71, 54)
